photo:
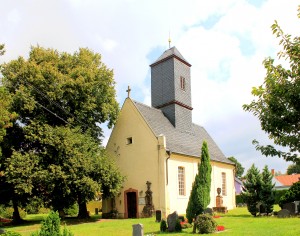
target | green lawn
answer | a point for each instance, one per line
(236, 222)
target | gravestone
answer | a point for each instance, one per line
(171, 219)
(290, 206)
(158, 216)
(283, 213)
(137, 230)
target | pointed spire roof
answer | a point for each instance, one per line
(171, 52)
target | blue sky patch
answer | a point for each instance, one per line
(256, 3)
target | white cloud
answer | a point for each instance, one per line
(225, 41)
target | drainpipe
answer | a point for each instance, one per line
(167, 169)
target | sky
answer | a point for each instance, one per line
(226, 42)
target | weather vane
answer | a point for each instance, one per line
(169, 40)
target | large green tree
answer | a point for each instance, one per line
(251, 190)
(277, 103)
(239, 171)
(293, 169)
(60, 99)
(200, 195)
(267, 194)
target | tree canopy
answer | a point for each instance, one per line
(52, 148)
(293, 169)
(277, 103)
(239, 171)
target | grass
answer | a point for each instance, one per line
(236, 222)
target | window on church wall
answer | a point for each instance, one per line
(224, 190)
(181, 181)
(129, 140)
(182, 83)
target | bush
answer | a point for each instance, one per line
(239, 200)
(279, 194)
(72, 210)
(163, 225)
(7, 212)
(205, 224)
(51, 227)
(293, 194)
(178, 227)
(34, 206)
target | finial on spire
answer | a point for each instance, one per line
(128, 91)
(169, 40)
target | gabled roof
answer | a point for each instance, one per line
(171, 52)
(178, 141)
(288, 180)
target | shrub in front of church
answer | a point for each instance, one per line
(200, 195)
(163, 225)
(178, 227)
(205, 224)
(51, 227)
(293, 194)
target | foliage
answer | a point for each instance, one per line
(11, 233)
(200, 195)
(278, 102)
(293, 169)
(72, 210)
(239, 199)
(267, 194)
(251, 190)
(279, 194)
(178, 227)
(239, 168)
(52, 150)
(7, 212)
(291, 195)
(163, 225)
(205, 224)
(51, 227)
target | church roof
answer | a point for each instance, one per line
(179, 141)
(171, 52)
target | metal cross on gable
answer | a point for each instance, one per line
(128, 91)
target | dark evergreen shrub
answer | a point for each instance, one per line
(293, 194)
(205, 224)
(178, 227)
(279, 194)
(239, 200)
(163, 225)
(200, 194)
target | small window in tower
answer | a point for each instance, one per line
(129, 140)
(182, 83)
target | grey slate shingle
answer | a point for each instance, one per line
(178, 141)
(169, 52)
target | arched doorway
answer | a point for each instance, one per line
(131, 203)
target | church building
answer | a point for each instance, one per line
(158, 147)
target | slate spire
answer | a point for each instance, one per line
(171, 88)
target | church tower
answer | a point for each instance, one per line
(171, 88)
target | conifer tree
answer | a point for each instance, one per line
(251, 190)
(200, 195)
(267, 192)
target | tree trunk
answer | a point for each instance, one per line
(16, 215)
(83, 212)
